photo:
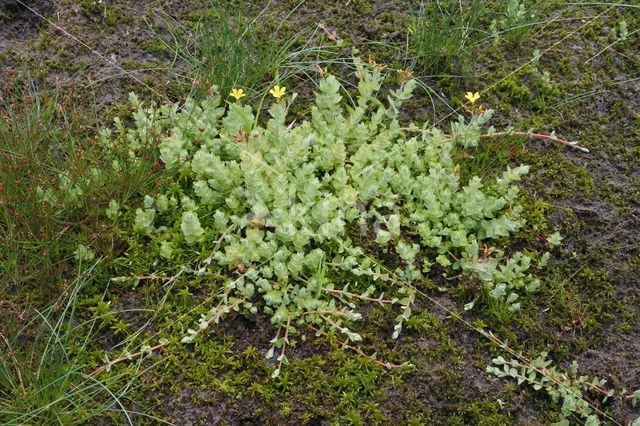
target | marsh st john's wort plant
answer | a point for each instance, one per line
(565, 387)
(272, 206)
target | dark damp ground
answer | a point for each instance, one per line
(589, 303)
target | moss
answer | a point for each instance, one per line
(155, 47)
(481, 413)
(535, 215)
(513, 92)
(45, 41)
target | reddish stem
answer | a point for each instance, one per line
(328, 33)
(124, 358)
(284, 345)
(537, 135)
(544, 371)
(534, 135)
(371, 299)
(340, 313)
(137, 354)
(218, 314)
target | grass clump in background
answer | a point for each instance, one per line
(56, 186)
(43, 374)
(233, 51)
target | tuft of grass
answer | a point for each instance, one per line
(37, 143)
(441, 34)
(55, 184)
(41, 369)
(445, 34)
(231, 51)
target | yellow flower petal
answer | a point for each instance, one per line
(277, 91)
(237, 93)
(472, 97)
(405, 74)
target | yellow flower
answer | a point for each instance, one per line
(405, 74)
(323, 71)
(277, 91)
(237, 93)
(472, 97)
(375, 64)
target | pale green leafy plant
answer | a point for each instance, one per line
(567, 388)
(272, 206)
(563, 387)
(516, 22)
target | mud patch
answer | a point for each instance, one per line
(20, 19)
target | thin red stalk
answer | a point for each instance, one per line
(124, 358)
(518, 376)
(505, 346)
(545, 371)
(596, 387)
(277, 335)
(381, 276)
(226, 293)
(341, 329)
(284, 345)
(218, 314)
(340, 313)
(522, 358)
(328, 33)
(538, 135)
(534, 135)
(217, 246)
(371, 299)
